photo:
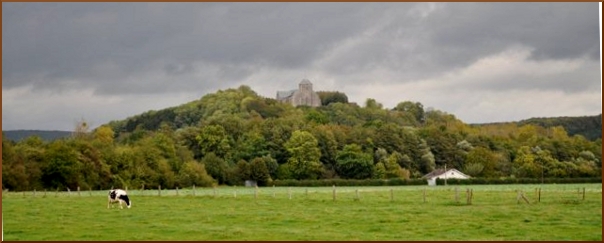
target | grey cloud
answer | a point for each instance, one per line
(150, 49)
(45, 43)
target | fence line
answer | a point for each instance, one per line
(431, 195)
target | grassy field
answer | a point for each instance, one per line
(379, 213)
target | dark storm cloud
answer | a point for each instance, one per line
(455, 35)
(103, 44)
(84, 57)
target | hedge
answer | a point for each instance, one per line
(419, 181)
(495, 181)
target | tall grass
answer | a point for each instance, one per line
(379, 213)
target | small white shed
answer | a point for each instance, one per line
(442, 174)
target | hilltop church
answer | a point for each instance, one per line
(304, 95)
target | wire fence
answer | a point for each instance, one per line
(463, 195)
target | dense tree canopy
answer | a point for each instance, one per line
(235, 135)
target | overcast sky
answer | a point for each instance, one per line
(482, 62)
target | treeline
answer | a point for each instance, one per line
(235, 135)
(18, 135)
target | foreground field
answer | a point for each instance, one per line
(364, 213)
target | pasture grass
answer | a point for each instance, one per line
(311, 214)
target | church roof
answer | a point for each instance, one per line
(305, 81)
(285, 94)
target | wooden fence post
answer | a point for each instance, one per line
(79, 195)
(176, 191)
(215, 193)
(334, 193)
(424, 195)
(289, 191)
(34, 192)
(539, 198)
(193, 190)
(159, 191)
(68, 192)
(273, 191)
(89, 191)
(235, 192)
(356, 191)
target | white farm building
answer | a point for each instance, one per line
(442, 174)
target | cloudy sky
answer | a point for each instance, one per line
(482, 62)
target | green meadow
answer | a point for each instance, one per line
(558, 212)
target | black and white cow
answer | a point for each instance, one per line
(118, 195)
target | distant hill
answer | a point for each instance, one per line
(18, 135)
(589, 127)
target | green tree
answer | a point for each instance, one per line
(259, 171)
(416, 110)
(216, 167)
(483, 157)
(353, 163)
(214, 139)
(63, 167)
(328, 97)
(305, 154)
(194, 173)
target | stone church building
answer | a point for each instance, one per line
(304, 95)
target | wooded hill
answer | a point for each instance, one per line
(18, 135)
(235, 135)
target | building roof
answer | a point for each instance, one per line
(439, 172)
(285, 94)
(305, 81)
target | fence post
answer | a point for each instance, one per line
(79, 195)
(424, 195)
(256, 192)
(539, 198)
(57, 193)
(273, 191)
(356, 191)
(391, 195)
(44, 192)
(289, 191)
(34, 192)
(143, 190)
(457, 195)
(583, 194)
(126, 188)
(193, 190)
(307, 192)
(159, 191)
(214, 191)
(235, 192)
(89, 191)
(334, 192)
(176, 191)
(68, 192)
